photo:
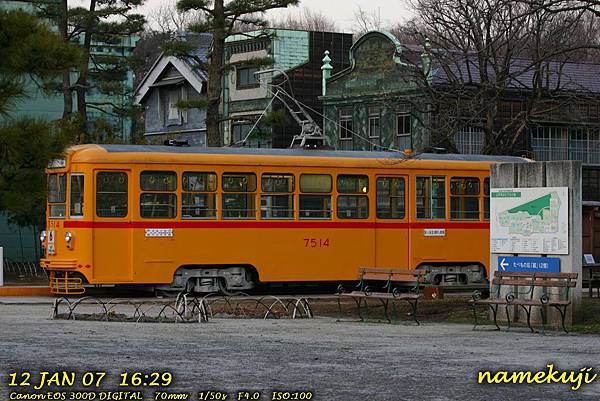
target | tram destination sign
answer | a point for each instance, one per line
(529, 220)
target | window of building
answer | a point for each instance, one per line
(352, 206)
(464, 198)
(469, 140)
(390, 197)
(238, 199)
(239, 131)
(345, 124)
(158, 204)
(76, 198)
(486, 199)
(279, 202)
(566, 143)
(246, 78)
(173, 112)
(404, 130)
(198, 197)
(431, 197)
(57, 195)
(315, 199)
(374, 127)
(111, 194)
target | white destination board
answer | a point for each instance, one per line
(529, 220)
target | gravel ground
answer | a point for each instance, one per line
(335, 360)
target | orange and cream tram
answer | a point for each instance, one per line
(210, 219)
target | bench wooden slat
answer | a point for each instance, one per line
(512, 282)
(384, 295)
(535, 283)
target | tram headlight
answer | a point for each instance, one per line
(68, 236)
(43, 236)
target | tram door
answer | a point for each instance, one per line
(112, 226)
(391, 222)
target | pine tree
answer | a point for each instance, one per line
(222, 19)
(106, 21)
(29, 49)
(31, 52)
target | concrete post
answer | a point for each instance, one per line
(568, 174)
(547, 174)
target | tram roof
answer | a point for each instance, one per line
(137, 154)
(306, 153)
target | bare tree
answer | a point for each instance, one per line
(307, 20)
(365, 21)
(498, 65)
(166, 18)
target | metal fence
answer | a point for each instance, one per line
(21, 270)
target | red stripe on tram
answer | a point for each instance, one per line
(276, 224)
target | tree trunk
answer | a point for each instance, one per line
(66, 83)
(215, 81)
(81, 85)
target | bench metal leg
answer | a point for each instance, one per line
(358, 302)
(543, 315)
(507, 317)
(528, 313)
(563, 315)
(413, 305)
(394, 311)
(474, 308)
(366, 309)
(384, 303)
(495, 312)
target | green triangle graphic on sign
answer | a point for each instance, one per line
(534, 207)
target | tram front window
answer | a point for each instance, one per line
(57, 195)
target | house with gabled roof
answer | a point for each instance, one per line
(170, 82)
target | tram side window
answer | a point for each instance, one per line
(352, 206)
(390, 197)
(199, 198)
(238, 198)
(76, 199)
(57, 195)
(431, 197)
(277, 199)
(486, 198)
(464, 198)
(315, 199)
(111, 194)
(159, 200)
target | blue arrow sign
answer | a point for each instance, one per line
(528, 264)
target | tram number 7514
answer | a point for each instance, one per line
(316, 242)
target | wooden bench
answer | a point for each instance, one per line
(390, 291)
(521, 292)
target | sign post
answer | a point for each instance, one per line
(535, 223)
(1, 266)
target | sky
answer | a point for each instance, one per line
(341, 11)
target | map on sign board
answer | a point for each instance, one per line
(530, 220)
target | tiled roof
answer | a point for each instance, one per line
(563, 76)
